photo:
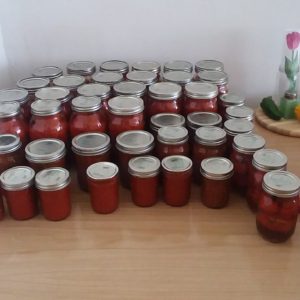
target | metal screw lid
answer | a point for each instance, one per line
(32, 84)
(201, 90)
(92, 143)
(217, 168)
(237, 126)
(248, 143)
(109, 78)
(102, 170)
(50, 72)
(179, 77)
(17, 178)
(144, 166)
(178, 65)
(239, 112)
(281, 184)
(166, 119)
(53, 93)
(165, 90)
(215, 77)
(176, 163)
(172, 135)
(208, 65)
(114, 66)
(145, 77)
(94, 89)
(10, 95)
(151, 66)
(200, 119)
(232, 99)
(45, 150)
(9, 109)
(135, 142)
(210, 136)
(86, 104)
(81, 68)
(124, 105)
(9, 143)
(45, 107)
(129, 88)
(269, 159)
(52, 179)
(71, 82)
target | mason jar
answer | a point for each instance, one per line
(83, 68)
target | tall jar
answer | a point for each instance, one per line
(178, 65)
(239, 112)
(178, 77)
(218, 78)
(118, 66)
(49, 72)
(208, 65)
(130, 89)
(82, 68)
(70, 82)
(108, 78)
(150, 66)
(227, 100)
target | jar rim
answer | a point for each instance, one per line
(238, 126)
(102, 170)
(210, 136)
(9, 109)
(179, 77)
(115, 65)
(32, 84)
(50, 72)
(178, 65)
(172, 135)
(232, 99)
(172, 163)
(144, 166)
(248, 143)
(156, 120)
(165, 90)
(217, 168)
(239, 112)
(208, 119)
(152, 66)
(53, 93)
(45, 107)
(70, 81)
(10, 95)
(94, 90)
(269, 159)
(86, 104)
(145, 77)
(81, 67)
(9, 143)
(215, 77)
(125, 105)
(109, 78)
(208, 65)
(129, 88)
(202, 90)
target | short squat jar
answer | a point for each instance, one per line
(150, 66)
(131, 89)
(216, 181)
(239, 112)
(108, 78)
(118, 66)
(89, 148)
(264, 160)
(218, 78)
(82, 68)
(277, 213)
(144, 180)
(70, 82)
(49, 72)
(53, 187)
(103, 183)
(178, 65)
(208, 65)
(178, 77)
(18, 191)
(228, 100)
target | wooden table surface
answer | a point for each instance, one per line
(160, 252)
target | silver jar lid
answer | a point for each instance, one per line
(91, 143)
(32, 84)
(52, 179)
(53, 93)
(201, 90)
(10, 95)
(114, 66)
(109, 78)
(269, 159)
(17, 178)
(179, 77)
(178, 65)
(144, 166)
(9, 109)
(237, 126)
(208, 65)
(176, 163)
(166, 119)
(281, 184)
(129, 88)
(86, 104)
(81, 68)
(231, 99)
(94, 89)
(135, 142)
(239, 112)
(214, 77)
(9, 143)
(145, 77)
(45, 150)
(165, 90)
(200, 119)
(45, 107)
(217, 168)
(172, 135)
(151, 66)
(210, 136)
(71, 82)
(248, 143)
(50, 72)
(102, 170)
(125, 106)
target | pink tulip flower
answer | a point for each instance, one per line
(293, 40)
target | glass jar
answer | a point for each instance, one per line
(179, 77)
(130, 88)
(11, 121)
(47, 121)
(45, 153)
(264, 160)
(200, 97)
(71, 82)
(2, 210)
(103, 183)
(118, 66)
(83, 68)
(150, 66)
(49, 72)
(177, 178)
(53, 187)
(89, 148)
(178, 65)
(172, 140)
(244, 146)
(130, 144)
(218, 78)
(144, 179)
(227, 100)
(208, 65)
(125, 113)
(145, 77)
(108, 78)
(18, 191)
(277, 214)
(239, 112)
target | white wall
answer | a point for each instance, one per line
(246, 35)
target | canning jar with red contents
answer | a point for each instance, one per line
(277, 213)
(131, 89)
(144, 179)
(218, 78)
(108, 78)
(177, 179)
(208, 65)
(47, 121)
(150, 66)
(118, 66)
(172, 140)
(71, 82)
(244, 146)
(18, 191)
(125, 113)
(89, 148)
(11, 121)
(228, 100)
(239, 112)
(130, 144)
(216, 181)
(53, 186)
(49, 72)
(179, 77)
(87, 116)
(103, 183)
(82, 68)
(264, 160)
(45, 153)
(178, 65)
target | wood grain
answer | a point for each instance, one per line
(160, 252)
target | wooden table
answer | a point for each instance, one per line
(160, 252)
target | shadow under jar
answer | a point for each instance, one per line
(228, 100)
(49, 72)
(178, 77)
(82, 68)
(89, 148)
(178, 65)
(216, 181)
(150, 66)
(108, 78)
(18, 191)
(103, 182)
(208, 65)
(53, 187)
(277, 213)
(118, 66)
(144, 180)
(70, 82)
(239, 112)
(130, 89)
(218, 78)
(264, 160)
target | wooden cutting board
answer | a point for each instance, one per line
(283, 127)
